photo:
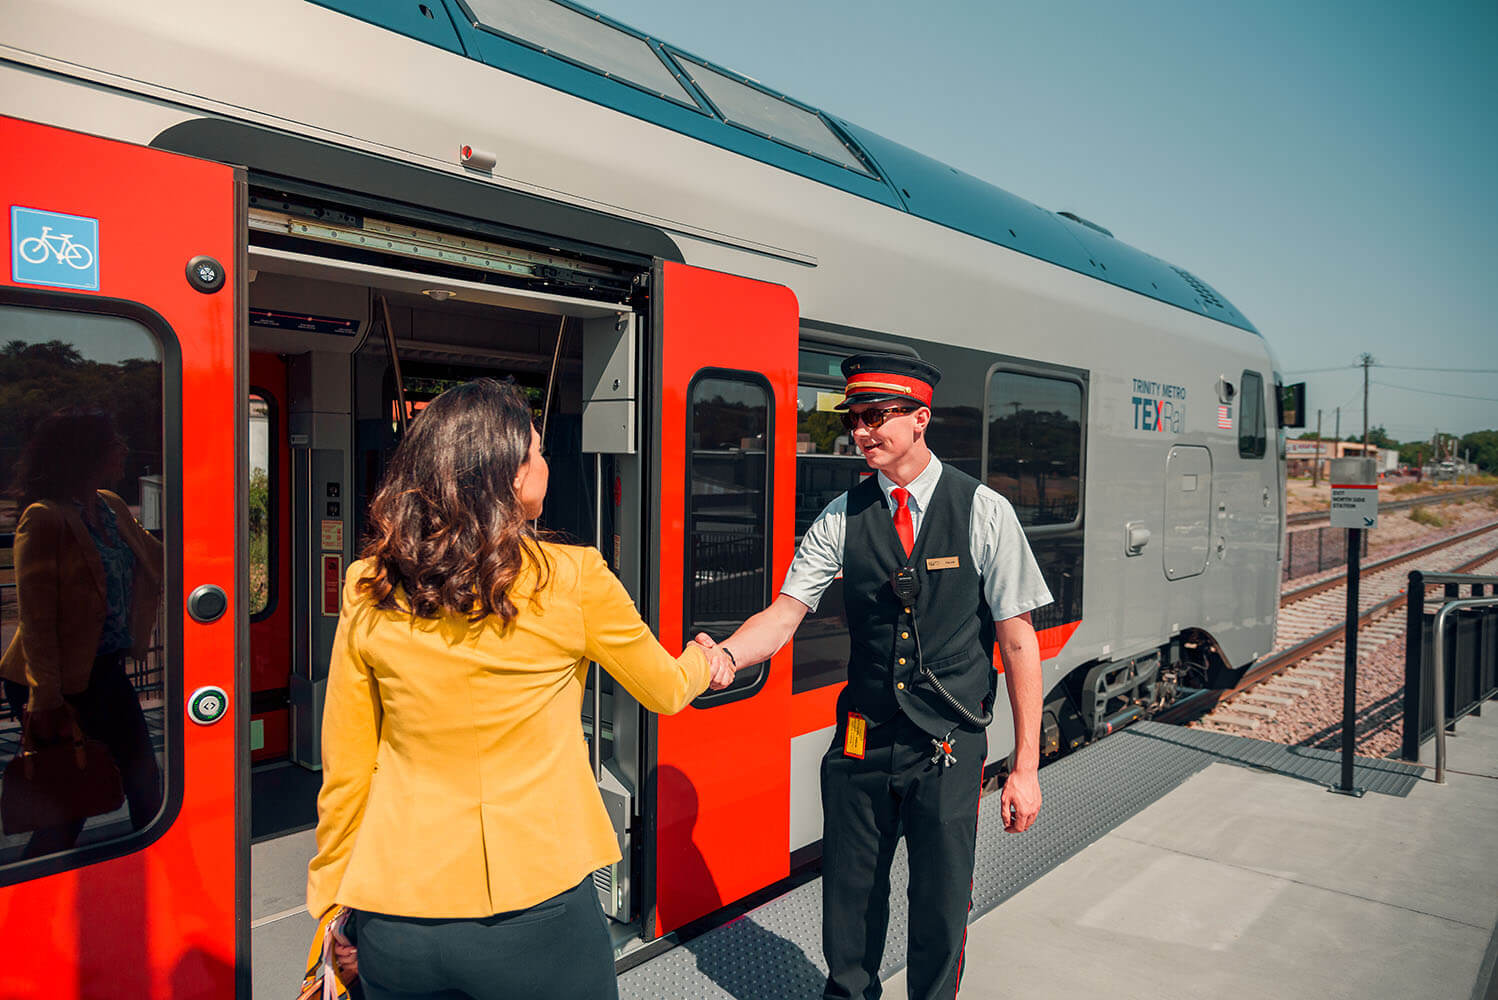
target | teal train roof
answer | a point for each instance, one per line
(579, 51)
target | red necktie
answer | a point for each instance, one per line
(904, 527)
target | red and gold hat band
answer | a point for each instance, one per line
(886, 384)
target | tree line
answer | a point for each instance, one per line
(1481, 447)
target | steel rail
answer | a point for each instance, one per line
(1199, 704)
(1311, 589)
(1312, 516)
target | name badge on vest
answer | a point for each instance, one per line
(853, 739)
(942, 562)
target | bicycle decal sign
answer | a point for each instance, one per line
(49, 248)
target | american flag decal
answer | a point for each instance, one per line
(1225, 418)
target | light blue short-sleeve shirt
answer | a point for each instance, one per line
(1012, 583)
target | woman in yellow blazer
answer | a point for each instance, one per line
(459, 816)
(88, 584)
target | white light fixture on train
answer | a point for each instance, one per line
(476, 159)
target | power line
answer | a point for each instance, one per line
(1319, 371)
(1432, 392)
(1414, 368)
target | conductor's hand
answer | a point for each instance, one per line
(1019, 803)
(718, 661)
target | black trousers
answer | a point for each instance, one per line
(867, 805)
(108, 711)
(556, 949)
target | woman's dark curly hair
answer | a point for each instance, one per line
(63, 454)
(446, 527)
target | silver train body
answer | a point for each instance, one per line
(1179, 532)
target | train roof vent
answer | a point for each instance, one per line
(742, 101)
(1208, 297)
(583, 37)
(1084, 222)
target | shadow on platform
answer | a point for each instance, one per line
(1322, 767)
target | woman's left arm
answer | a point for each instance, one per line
(350, 740)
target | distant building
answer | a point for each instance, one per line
(1301, 455)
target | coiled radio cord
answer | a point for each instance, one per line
(907, 587)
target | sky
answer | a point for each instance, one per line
(1331, 168)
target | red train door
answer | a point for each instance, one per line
(121, 396)
(725, 367)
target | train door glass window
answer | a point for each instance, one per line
(1035, 446)
(1252, 436)
(82, 545)
(728, 515)
(770, 115)
(261, 505)
(827, 464)
(583, 38)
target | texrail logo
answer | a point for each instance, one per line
(1159, 407)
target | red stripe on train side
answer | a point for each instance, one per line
(1053, 640)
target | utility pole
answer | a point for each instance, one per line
(1367, 359)
(1316, 465)
(1337, 435)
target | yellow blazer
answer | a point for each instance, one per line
(61, 594)
(456, 780)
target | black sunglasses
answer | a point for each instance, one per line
(873, 419)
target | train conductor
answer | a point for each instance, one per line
(936, 572)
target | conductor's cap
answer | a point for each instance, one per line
(875, 377)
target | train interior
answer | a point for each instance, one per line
(337, 348)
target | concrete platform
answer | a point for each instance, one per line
(1244, 883)
(1167, 863)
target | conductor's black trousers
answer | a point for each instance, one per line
(867, 805)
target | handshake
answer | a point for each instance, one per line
(719, 660)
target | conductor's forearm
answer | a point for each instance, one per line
(1020, 652)
(762, 636)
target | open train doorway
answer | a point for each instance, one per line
(342, 355)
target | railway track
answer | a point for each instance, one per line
(1308, 652)
(1314, 516)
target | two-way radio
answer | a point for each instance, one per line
(907, 587)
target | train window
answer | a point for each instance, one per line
(1035, 446)
(728, 476)
(261, 507)
(1251, 433)
(769, 114)
(82, 543)
(583, 38)
(820, 364)
(827, 465)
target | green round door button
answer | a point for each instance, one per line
(207, 705)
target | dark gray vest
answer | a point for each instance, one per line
(956, 625)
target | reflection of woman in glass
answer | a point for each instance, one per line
(88, 583)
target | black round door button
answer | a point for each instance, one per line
(207, 604)
(205, 274)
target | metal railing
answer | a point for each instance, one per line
(147, 675)
(1312, 550)
(1451, 658)
(728, 574)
